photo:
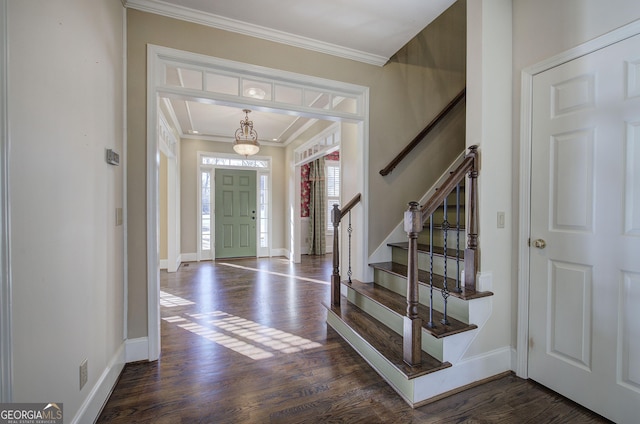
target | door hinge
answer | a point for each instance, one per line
(529, 242)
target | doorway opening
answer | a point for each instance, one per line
(204, 80)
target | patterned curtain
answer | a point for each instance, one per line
(317, 209)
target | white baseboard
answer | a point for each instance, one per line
(189, 257)
(92, 405)
(514, 359)
(137, 349)
(466, 372)
(281, 252)
(193, 257)
(164, 263)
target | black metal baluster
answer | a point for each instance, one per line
(349, 231)
(445, 289)
(431, 324)
(458, 289)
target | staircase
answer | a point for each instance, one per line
(376, 318)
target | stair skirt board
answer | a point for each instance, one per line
(388, 371)
(427, 388)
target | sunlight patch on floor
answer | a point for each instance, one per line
(229, 342)
(249, 338)
(169, 301)
(280, 274)
(266, 336)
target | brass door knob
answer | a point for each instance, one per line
(540, 244)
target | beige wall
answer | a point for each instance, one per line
(405, 94)
(65, 108)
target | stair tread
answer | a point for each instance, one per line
(384, 340)
(425, 248)
(423, 278)
(398, 304)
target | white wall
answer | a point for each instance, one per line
(5, 275)
(545, 28)
(489, 126)
(65, 107)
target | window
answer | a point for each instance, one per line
(263, 241)
(332, 172)
(205, 213)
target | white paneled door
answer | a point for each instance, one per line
(584, 310)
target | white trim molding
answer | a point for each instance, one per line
(153, 208)
(92, 405)
(136, 350)
(6, 351)
(615, 36)
(157, 56)
(244, 28)
(188, 257)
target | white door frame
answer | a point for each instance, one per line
(155, 57)
(522, 344)
(260, 251)
(296, 230)
(167, 144)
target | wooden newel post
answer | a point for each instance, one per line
(335, 277)
(471, 252)
(412, 334)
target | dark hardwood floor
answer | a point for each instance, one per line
(245, 341)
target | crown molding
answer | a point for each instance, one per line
(162, 8)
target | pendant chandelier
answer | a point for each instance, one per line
(246, 143)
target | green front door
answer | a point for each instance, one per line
(235, 213)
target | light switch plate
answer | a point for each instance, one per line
(118, 217)
(500, 219)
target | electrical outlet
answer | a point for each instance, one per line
(84, 373)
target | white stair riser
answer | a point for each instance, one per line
(432, 345)
(453, 238)
(454, 267)
(456, 307)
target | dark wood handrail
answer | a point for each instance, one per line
(449, 184)
(345, 210)
(336, 217)
(468, 166)
(418, 138)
